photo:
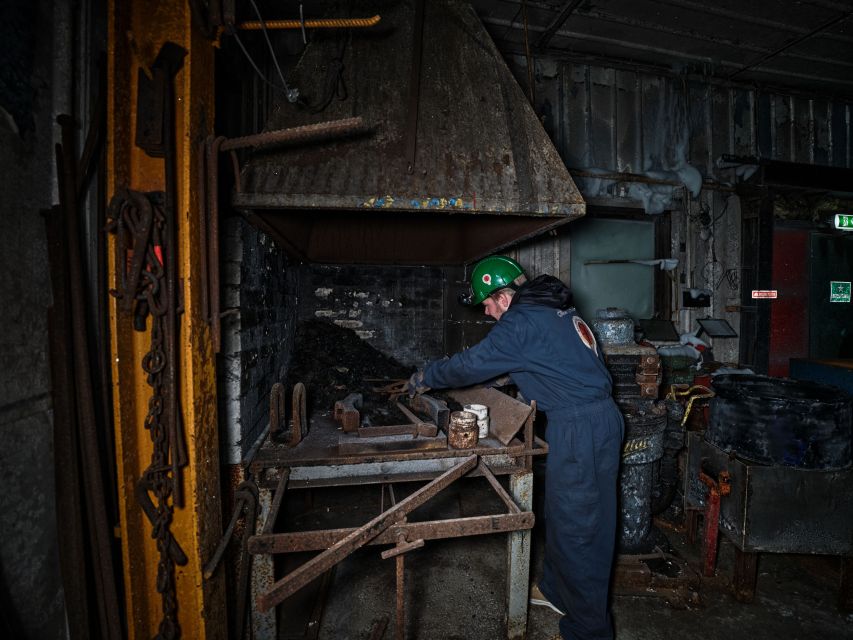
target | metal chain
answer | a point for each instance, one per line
(151, 300)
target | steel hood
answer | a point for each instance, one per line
(453, 164)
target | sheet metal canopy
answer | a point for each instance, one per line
(447, 138)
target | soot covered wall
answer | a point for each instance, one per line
(399, 311)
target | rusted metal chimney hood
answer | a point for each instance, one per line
(454, 164)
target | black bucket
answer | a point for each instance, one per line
(781, 422)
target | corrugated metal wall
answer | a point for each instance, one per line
(669, 132)
(635, 122)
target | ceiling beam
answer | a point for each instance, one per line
(556, 24)
(795, 41)
(713, 10)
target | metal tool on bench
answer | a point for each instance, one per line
(347, 413)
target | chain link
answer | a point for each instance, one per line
(151, 300)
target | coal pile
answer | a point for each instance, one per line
(332, 362)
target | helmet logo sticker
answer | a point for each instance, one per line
(487, 279)
(585, 334)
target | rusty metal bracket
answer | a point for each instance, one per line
(301, 576)
(299, 421)
(716, 490)
(276, 409)
(347, 412)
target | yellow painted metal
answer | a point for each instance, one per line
(136, 31)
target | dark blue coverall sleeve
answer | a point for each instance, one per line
(495, 355)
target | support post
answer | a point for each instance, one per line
(518, 559)
(263, 577)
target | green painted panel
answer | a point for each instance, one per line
(627, 286)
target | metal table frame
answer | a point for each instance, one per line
(278, 469)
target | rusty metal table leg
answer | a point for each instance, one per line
(518, 559)
(745, 575)
(263, 624)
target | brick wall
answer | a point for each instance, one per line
(259, 296)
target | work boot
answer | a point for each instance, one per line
(538, 599)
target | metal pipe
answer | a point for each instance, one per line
(303, 134)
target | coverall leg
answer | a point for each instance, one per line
(581, 479)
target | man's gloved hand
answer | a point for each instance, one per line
(416, 384)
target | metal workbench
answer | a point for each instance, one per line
(315, 462)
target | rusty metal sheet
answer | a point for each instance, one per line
(506, 414)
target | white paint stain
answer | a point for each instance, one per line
(322, 292)
(364, 334)
(353, 313)
(325, 313)
(349, 324)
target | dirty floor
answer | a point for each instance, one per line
(456, 588)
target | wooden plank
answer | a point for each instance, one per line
(506, 414)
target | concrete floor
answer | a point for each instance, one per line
(456, 589)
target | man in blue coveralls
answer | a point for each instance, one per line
(552, 357)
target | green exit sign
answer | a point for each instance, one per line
(839, 291)
(844, 221)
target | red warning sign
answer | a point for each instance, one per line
(771, 293)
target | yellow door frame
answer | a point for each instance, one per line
(136, 31)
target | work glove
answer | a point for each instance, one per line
(416, 384)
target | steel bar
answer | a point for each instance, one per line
(413, 104)
(204, 256)
(400, 620)
(502, 494)
(316, 23)
(411, 416)
(402, 547)
(269, 457)
(430, 530)
(67, 472)
(425, 429)
(213, 563)
(313, 631)
(100, 528)
(301, 135)
(340, 550)
(213, 144)
(278, 496)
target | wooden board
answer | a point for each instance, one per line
(506, 414)
(351, 443)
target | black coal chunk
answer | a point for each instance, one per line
(332, 362)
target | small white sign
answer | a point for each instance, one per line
(768, 293)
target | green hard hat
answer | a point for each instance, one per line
(489, 275)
